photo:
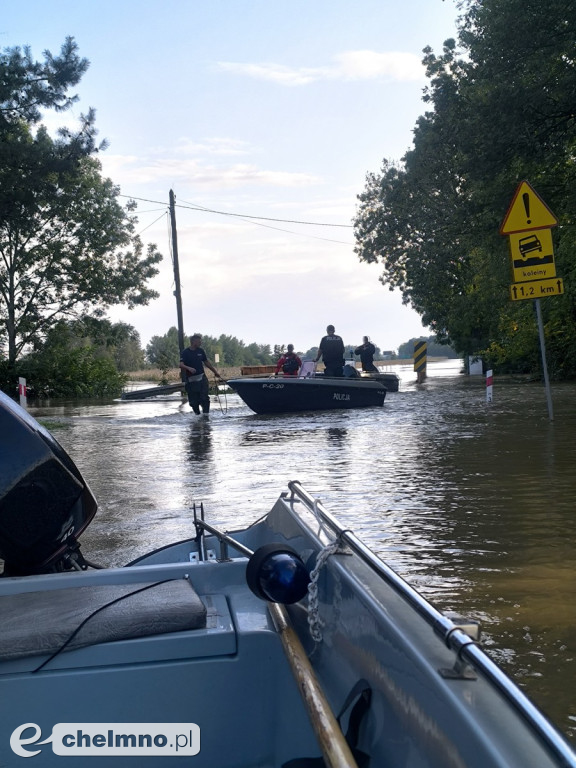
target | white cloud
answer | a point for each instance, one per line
(347, 66)
(213, 146)
(240, 174)
(276, 72)
(368, 65)
(129, 169)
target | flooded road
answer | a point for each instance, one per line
(472, 503)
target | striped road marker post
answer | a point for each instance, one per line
(489, 382)
(420, 348)
(22, 391)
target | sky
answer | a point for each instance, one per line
(269, 109)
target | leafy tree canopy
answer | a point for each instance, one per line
(433, 349)
(77, 359)
(164, 351)
(67, 246)
(27, 86)
(234, 352)
(502, 109)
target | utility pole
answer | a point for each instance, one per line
(177, 292)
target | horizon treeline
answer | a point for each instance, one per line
(91, 357)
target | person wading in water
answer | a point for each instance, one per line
(192, 362)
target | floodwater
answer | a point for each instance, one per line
(471, 502)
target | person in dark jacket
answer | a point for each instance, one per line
(366, 351)
(289, 363)
(192, 362)
(331, 350)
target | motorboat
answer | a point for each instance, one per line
(309, 391)
(290, 394)
(390, 380)
(286, 644)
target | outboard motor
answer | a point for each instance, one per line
(44, 503)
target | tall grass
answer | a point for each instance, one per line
(156, 376)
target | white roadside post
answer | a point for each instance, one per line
(489, 382)
(22, 392)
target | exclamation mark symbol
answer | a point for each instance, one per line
(526, 201)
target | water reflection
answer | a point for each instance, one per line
(471, 502)
(337, 435)
(199, 447)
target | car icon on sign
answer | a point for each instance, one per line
(529, 244)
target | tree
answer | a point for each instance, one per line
(164, 351)
(502, 109)
(128, 354)
(74, 360)
(67, 246)
(258, 354)
(27, 86)
(433, 349)
(118, 341)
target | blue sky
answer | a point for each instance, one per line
(269, 108)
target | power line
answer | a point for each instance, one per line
(154, 222)
(196, 207)
(300, 234)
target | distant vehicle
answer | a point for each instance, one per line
(529, 244)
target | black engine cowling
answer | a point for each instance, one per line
(44, 502)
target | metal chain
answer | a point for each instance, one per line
(315, 623)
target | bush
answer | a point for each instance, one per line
(65, 372)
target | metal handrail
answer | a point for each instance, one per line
(454, 637)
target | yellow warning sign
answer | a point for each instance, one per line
(527, 212)
(532, 255)
(537, 289)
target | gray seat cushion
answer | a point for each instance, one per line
(34, 623)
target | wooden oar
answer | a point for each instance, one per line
(334, 747)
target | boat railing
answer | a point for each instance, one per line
(335, 748)
(467, 650)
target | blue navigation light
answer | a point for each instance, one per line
(275, 572)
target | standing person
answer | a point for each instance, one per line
(290, 363)
(367, 351)
(331, 350)
(192, 362)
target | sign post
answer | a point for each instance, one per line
(420, 360)
(528, 225)
(543, 353)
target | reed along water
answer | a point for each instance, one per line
(471, 502)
